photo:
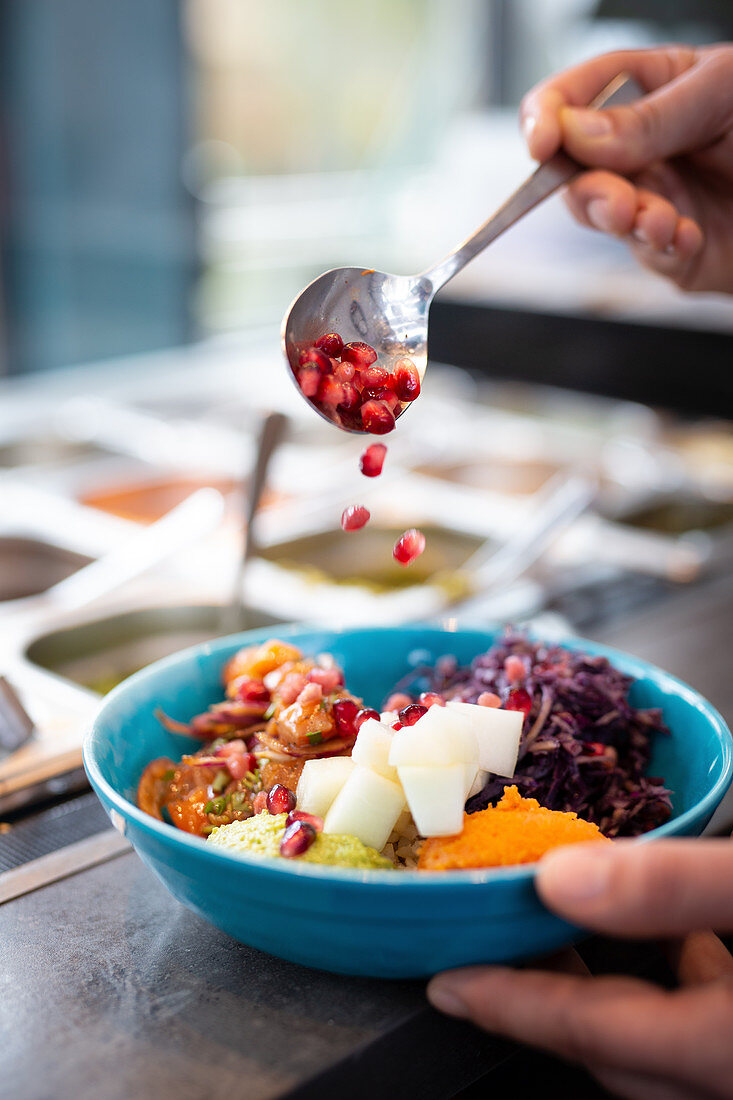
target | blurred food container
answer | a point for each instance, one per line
(29, 566)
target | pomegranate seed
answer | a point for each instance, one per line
(297, 839)
(317, 357)
(377, 417)
(252, 691)
(330, 392)
(344, 372)
(397, 701)
(350, 398)
(488, 699)
(354, 517)
(409, 546)
(514, 669)
(309, 379)
(372, 461)
(240, 763)
(406, 380)
(344, 713)
(358, 353)
(362, 715)
(281, 799)
(396, 725)
(518, 699)
(311, 819)
(409, 715)
(331, 343)
(431, 699)
(595, 748)
(374, 376)
(381, 393)
(260, 802)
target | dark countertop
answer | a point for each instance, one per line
(110, 988)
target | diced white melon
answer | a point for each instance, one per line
(435, 796)
(497, 733)
(372, 747)
(320, 782)
(388, 718)
(478, 784)
(437, 739)
(367, 806)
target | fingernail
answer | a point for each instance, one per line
(599, 214)
(639, 235)
(569, 876)
(443, 995)
(587, 124)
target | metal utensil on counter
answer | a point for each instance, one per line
(16, 725)
(199, 514)
(235, 615)
(390, 312)
(563, 499)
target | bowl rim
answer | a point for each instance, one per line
(631, 665)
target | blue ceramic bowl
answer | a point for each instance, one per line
(376, 923)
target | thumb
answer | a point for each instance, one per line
(684, 115)
(628, 888)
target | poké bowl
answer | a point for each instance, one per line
(379, 923)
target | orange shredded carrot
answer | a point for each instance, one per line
(516, 830)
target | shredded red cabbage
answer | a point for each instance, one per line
(583, 748)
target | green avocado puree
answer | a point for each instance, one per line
(261, 835)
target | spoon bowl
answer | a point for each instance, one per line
(388, 312)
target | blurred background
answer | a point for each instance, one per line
(171, 175)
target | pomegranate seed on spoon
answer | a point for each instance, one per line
(309, 379)
(360, 354)
(330, 392)
(297, 839)
(354, 517)
(331, 343)
(409, 546)
(372, 460)
(377, 417)
(344, 372)
(375, 376)
(406, 380)
(318, 357)
(350, 398)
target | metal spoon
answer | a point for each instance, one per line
(390, 312)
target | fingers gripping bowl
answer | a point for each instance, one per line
(371, 922)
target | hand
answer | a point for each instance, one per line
(639, 1041)
(673, 201)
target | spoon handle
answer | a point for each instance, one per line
(558, 170)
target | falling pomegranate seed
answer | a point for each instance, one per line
(301, 815)
(431, 699)
(410, 714)
(360, 354)
(331, 343)
(345, 712)
(372, 460)
(350, 398)
(362, 715)
(374, 376)
(354, 517)
(488, 699)
(409, 546)
(377, 417)
(309, 379)
(281, 799)
(518, 699)
(406, 380)
(330, 392)
(297, 839)
(344, 372)
(317, 357)
(514, 669)
(259, 804)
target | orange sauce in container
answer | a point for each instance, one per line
(147, 501)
